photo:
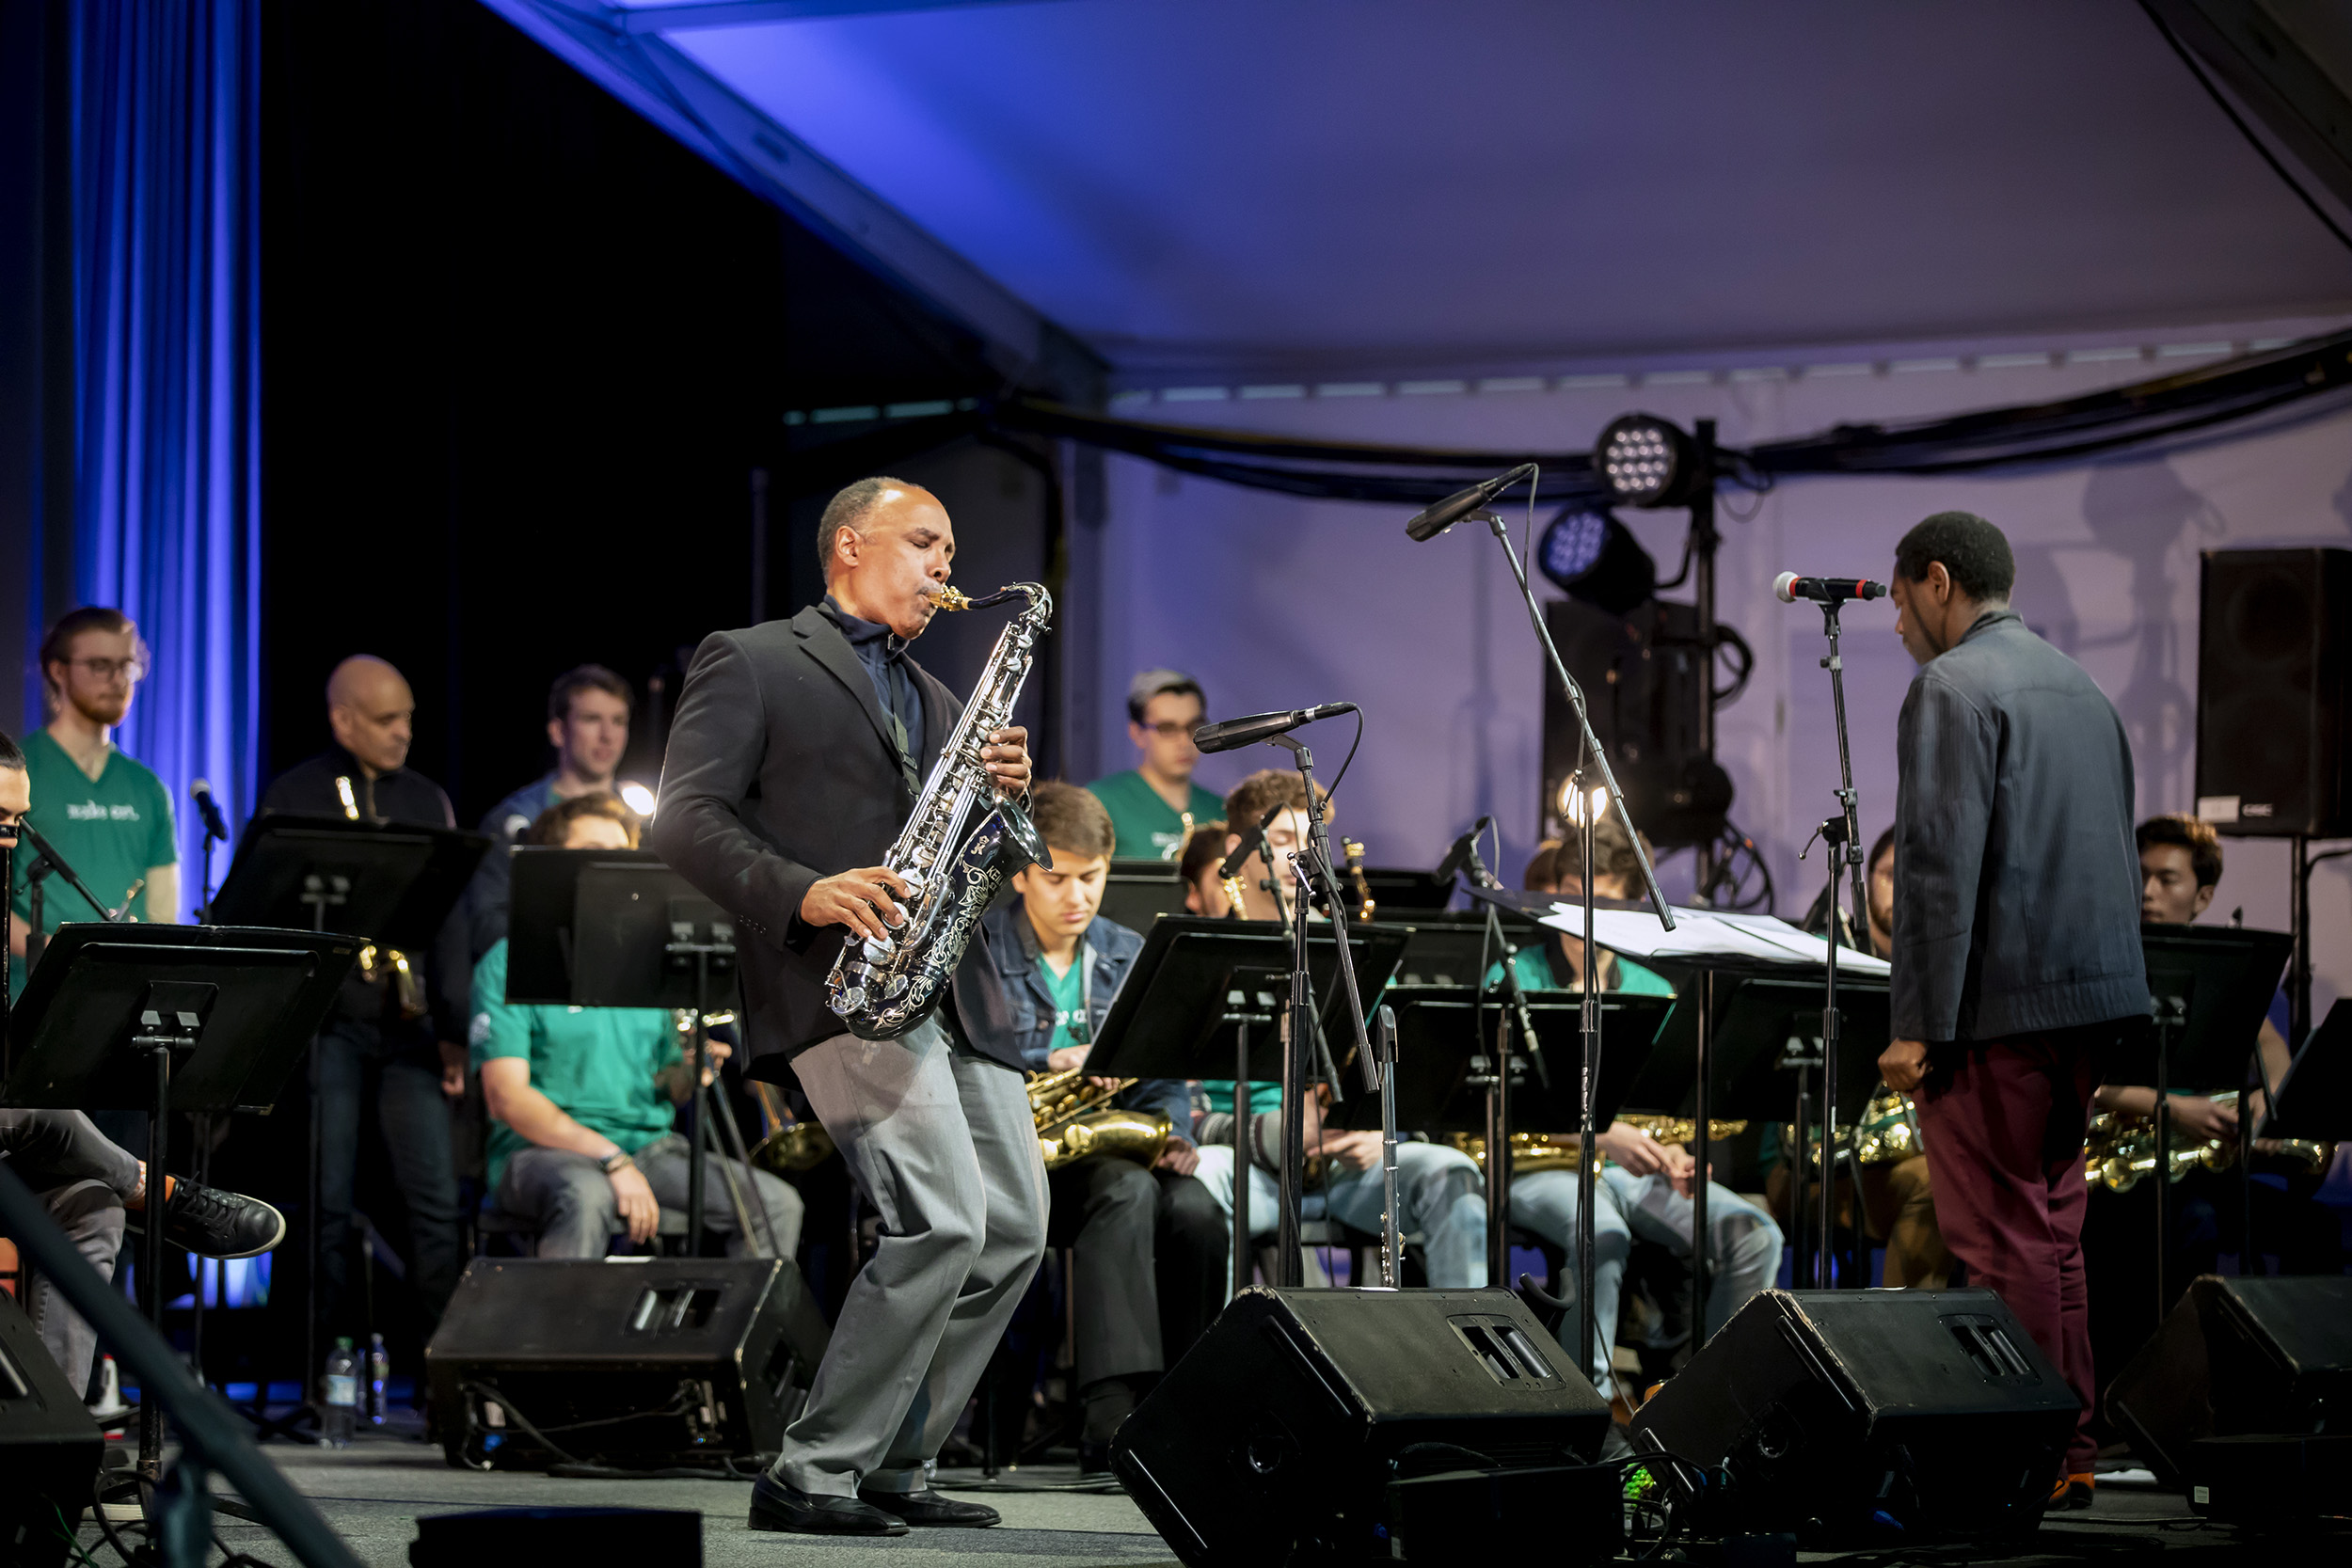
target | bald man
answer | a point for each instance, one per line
(388, 1044)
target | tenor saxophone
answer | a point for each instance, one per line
(955, 850)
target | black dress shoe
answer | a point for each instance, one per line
(1094, 1460)
(928, 1508)
(213, 1223)
(778, 1507)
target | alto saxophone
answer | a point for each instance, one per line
(2119, 1151)
(955, 850)
(1075, 1117)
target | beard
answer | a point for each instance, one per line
(106, 708)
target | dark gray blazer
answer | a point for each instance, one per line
(2016, 880)
(779, 771)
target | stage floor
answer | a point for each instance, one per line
(374, 1492)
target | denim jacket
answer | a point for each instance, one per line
(1002, 996)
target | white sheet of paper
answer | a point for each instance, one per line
(1709, 933)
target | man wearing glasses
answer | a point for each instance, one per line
(1154, 807)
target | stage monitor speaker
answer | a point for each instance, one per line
(1858, 1418)
(49, 1447)
(1279, 1436)
(670, 1536)
(2273, 644)
(2238, 1357)
(638, 1364)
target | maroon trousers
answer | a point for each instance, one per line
(2003, 1123)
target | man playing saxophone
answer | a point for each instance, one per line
(1149, 1241)
(799, 748)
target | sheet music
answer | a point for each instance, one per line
(1710, 933)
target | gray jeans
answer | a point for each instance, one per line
(83, 1178)
(570, 1202)
(940, 1140)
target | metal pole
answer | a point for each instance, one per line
(152, 1251)
(1243, 1251)
(1700, 1149)
(2299, 970)
(1391, 1227)
(1704, 540)
(1588, 1155)
(695, 1105)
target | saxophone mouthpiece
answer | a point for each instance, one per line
(948, 598)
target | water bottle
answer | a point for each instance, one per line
(379, 1375)
(341, 1416)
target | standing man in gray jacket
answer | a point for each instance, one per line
(2017, 961)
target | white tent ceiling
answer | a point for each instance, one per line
(1317, 185)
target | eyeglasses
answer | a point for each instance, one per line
(107, 669)
(1169, 729)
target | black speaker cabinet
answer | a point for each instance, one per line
(639, 1364)
(2273, 641)
(1851, 1419)
(49, 1447)
(1278, 1436)
(2238, 1357)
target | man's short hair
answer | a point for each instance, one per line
(848, 509)
(2179, 829)
(1072, 819)
(58, 645)
(1972, 550)
(554, 825)
(1203, 849)
(1161, 683)
(11, 755)
(1560, 859)
(587, 677)
(1249, 801)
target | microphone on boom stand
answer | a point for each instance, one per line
(1226, 733)
(1788, 588)
(1430, 521)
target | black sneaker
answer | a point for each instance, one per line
(215, 1223)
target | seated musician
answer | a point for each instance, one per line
(2181, 863)
(583, 1099)
(1437, 1187)
(1643, 1191)
(1149, 1242)
(1898, 1202)
(1205, 852)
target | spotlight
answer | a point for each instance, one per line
(637, 797)
(1647, 462)
(1596, 559)
(1571, 806)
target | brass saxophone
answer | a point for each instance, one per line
(793, 1145)
(2119, 1151)
(1532, 1153)
(956, 851)
(1887, 1134)
(1353, 850)
(1075, 1119)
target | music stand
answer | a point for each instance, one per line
(2315, 1098)
(1136, 893)
(1199, 1000)
(1401, 890)
(618, 928)
(162, 1019)
(393, 884)
(1447, 948)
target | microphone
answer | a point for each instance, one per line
(201, 793)
(1430, 521)
(1226, 733)
(1788, 588)
(1252, 840)
(1464, 851)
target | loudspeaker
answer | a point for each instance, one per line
(640, 1364)
(1855, 1419)
(1281, 1435)
(2238, 1357)
(49, 1447)
(1641, 674)
(671, 1537)
(2272, 646)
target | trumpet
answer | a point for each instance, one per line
(2119, 1151)
(1075, 1118)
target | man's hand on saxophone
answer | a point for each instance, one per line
(1008, 759)
(862, 900)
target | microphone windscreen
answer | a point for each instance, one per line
(1780, 588)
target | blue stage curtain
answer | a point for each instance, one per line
(167, 167)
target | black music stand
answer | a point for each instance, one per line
(168, 1018)
(618, 928)
(1136, 893)
(1403, 892)
(1448, 946)
(1199, 1002)
(2314, 1099)
(393, 884)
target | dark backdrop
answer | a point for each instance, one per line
(522, 356)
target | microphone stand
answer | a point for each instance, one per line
(1843, 834)
(1495, 1074)
(48, 852)
(1589, 1012)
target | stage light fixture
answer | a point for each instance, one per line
(1571, 805)
(1647, 462)
(637, 797)
(1596, 557)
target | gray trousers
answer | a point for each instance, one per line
(569, 1199)
(940, 1140)
(83, 1178)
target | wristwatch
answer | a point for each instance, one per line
(614, 1160)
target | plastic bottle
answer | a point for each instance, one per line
(341, 1416)
(379, 1375)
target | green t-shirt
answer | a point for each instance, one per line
(1069, 991)
(112, 830)
(1537, 971)
(1148, 828)
(596, 1063)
